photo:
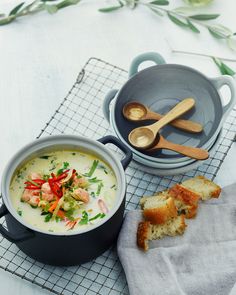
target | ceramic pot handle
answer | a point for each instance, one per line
(106, 103)
(229, 81)
(14, 238)
(148, 56)
(128, 154)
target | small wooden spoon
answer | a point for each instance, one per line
(135, 111)
(144, 137)
(191, 152)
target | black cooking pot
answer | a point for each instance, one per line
(72, 247)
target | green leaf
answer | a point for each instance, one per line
(6, 21)
(176, 20)
(224, 69)
(131, 3)
(192, 27)
(66, 3)
(204, 16)
(159, 2)
(231, 43)
(110, 9)
(51, 8)
(219, 31)
(16, 9)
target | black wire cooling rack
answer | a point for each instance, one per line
(80, 113)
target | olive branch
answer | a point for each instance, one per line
(180, 16)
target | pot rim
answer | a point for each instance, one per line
(60, 140)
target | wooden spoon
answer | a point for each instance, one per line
(191, 152)
(135, 111)
(144, 137)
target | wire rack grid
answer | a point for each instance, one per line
(80, 113)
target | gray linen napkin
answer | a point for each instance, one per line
(201, 262)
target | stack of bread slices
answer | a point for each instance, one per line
(165, 212)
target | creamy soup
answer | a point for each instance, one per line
(63, 190)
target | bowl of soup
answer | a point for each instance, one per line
(64, 198)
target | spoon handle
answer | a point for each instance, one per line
(181, 108)
(185, 125)
(192, 152)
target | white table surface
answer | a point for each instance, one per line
(41, 55)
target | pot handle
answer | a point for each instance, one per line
(229, 81)
(148, 56)
(128, 154)
(20, 237)
(106, 103)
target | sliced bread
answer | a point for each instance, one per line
(206, 188)
(158, 210)
(147, 231)
(186, 200)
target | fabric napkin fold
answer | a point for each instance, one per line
(201, 262)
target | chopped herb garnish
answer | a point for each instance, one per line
(113, 186)
(65, 166)
(53, 167)
(51, 230)
(99, 215)
(34, 207)
(48, 217)
(92, 169)
(93, 194)
(19, 212)
(45, 209)
(94, 180)
(58, 218)
(84, 219)
(99, 188)
(44, 157)
(46, 177)
(69, 214)
(73, 154)
(44, 213)
(100, 166)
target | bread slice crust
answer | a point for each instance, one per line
(159, 215)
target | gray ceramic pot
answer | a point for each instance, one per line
(160, 87)
(74, 247)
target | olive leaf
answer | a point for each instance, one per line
(231, 43)
(160, 2)
(66, 3)
(131, 3)
(219, 31)
(6, 21)
(192, 26)
(51, 8)
(224, 69)
(16, 9)
(176, 20)
(111, 8)
(204, 17)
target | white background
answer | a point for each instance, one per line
(41, 55)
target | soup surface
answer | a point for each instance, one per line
(63, 190)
